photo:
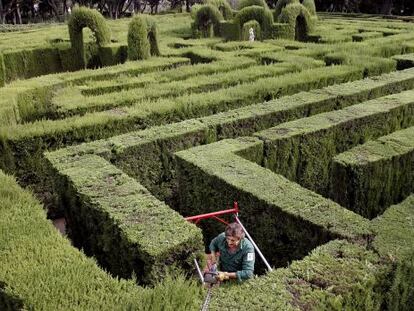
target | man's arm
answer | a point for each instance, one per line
(247, 271)
(214, 248)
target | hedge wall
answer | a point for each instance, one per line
(336, 276)
(299, 19)
(207, 21)
(293, 149)
(40, 270)
(119, 222)
(263, 16)
(32, 139)
(84, 17)
(246, 3)
(280, 5)
(138, 43)
(292, 220)
(370, 177)
(394, 240)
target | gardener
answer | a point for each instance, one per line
(235, 252)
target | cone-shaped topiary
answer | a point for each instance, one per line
(263, 16)
(84, 17)
(310, 5)
(208, 18)
(223, 6)
(138, 43)
(152, 35)
(299, 19)
(280, 5)
(246, 3)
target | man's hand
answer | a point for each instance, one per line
(222, 276)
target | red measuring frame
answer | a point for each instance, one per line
(214, 215)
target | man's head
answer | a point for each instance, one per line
(234, 234)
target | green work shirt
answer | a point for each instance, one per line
(241, 261)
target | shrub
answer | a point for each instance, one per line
(223, 6)
(246, 3)
(310, 5)
(299, 19)
(138, 43)
(256, 28)
(280, 5)
(207, 19)
(83, 17)
(152, 35)
(263, 16)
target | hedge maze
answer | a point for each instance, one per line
(314, 138)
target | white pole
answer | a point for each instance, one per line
(254, 244)
(199, 271)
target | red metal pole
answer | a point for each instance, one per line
(234, 210)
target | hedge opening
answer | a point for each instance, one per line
(84, 17)
(207, 21)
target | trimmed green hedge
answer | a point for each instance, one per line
(223, 6)
(70, 101)
(138, 43)
(280, 5)
(152, 31)
(404, 61)
(31, 139)
(246, 3)
(40, 270)
(263, 16)
(253, 24)
(395, 240)
(84, 17)
(370, 177)
(366, 36)
(207, 21)
(152, 167)
(372, 65)
(336, 276)
(89, 88)
(293, 149)
(299, 19)
(119, 222)
(310, 6)
(293, 220)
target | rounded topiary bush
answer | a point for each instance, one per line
(84, 17)
(310, 5)
(263, 16)
(138, 43)
(280, 5)
(246, 3)
(256, 28)
(299, 20)
(223, 6)
(207, 20)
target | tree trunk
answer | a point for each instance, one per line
(386, 7)
(1, 12)
(137, 6)
(19, 14)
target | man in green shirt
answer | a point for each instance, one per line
(235, 252)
